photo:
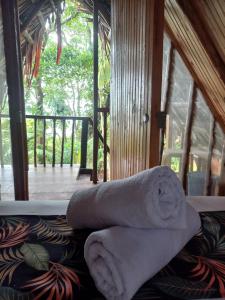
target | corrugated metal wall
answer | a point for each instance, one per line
(131, 85)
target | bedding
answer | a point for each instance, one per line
(42, 258)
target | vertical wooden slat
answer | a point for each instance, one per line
(1, 146)
(95, 70)
(63, 139)
(53, 143)
(134, 40)
(72, 144)
(187, 134)
(35, 142)
(44, 142)
(16, 97)
(208, 181)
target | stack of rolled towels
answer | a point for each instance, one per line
(142, 222)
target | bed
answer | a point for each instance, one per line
(42, 258)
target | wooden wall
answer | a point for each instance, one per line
(136, 68)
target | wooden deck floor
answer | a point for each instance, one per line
(46, 183)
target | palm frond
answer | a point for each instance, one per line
(211, 271)
(60, 224)
(9, 260)
(11, 235)
(10, 220)
(183, 288)
(50, 232)
(57, 283)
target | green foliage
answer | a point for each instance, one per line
(65, 89)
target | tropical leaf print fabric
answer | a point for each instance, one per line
(42, 258)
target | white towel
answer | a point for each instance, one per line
(153, 198)
(121, 259)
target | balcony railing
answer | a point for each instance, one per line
(45, 133)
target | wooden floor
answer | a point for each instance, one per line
(46, 183)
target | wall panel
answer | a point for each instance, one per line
(136, 68)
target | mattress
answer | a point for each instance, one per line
(42, 258)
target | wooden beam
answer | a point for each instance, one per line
(16, 97)
(187, 134)
(194, 13)
(200, 85)
(95, 91)
(156, 46)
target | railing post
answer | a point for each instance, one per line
(63, 138)
(72, 144)
(53, 142)
(84, 138)
(44, 142)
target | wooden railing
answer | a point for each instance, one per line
(42, 130)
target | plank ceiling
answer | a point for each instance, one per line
(197, 29)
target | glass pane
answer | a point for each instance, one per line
(6, 174)
(216, 160)
(177, 114)
(200, 138)
(166, 50)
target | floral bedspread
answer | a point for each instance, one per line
(42, 258)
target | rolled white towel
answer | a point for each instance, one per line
(121, 259)
(153, 198)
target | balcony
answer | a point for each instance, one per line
(59, 155)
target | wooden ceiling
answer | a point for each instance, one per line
(197, 29)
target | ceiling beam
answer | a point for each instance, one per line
(193, 12)
(194, 55)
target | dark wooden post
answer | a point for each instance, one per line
(16, 97)
(105, 145)
(155, 69)
(208, 182)
(72, 143)
(221, 186)
(53, 143)
(95, 118)
(63, 141)
(35, 142)
(44, 142)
